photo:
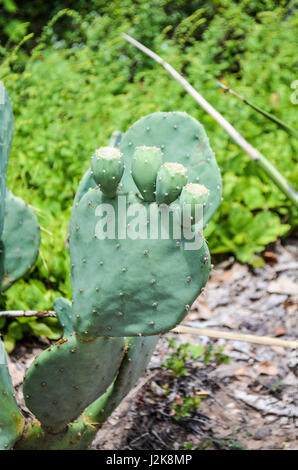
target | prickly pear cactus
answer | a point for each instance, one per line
(6, 135)
(20, 239)
(131, 285)
(133, 274)
(68, 376)
(136, 359)
(80, 434)
(11, 419)
(19, 229)
(128, 287)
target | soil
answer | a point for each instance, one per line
(247, 403)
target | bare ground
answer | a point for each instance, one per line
(249, 403)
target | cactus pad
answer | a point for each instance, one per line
(63, 309)
(20, 238)
(133, 366)
(68, 376)
(128, 287)
(11, 419)
(6, 135)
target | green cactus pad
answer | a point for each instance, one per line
(115, 139)
(128, 287)
(11, 419)
(133, 366)
(145, 165)
(63, 309)
(170, 180)
(182, 139)
(68, 376)
(86, 183)
(107, 169)
(6, 135)
(20, 238)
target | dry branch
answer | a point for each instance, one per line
(257, 156)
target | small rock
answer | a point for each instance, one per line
(274, 300)
(283, 285)
(262, 433)
(269, 419)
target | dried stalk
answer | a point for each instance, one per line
(265, 340)
(259, 158)
(181, 329)
(27, 313)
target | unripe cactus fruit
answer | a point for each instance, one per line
(145, 165)
(192, 197)
(107, 169)
(170, 180)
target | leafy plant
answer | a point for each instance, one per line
(177, 361)
(185, 406)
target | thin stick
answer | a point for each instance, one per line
(272, 118)
(265, 340)
(262, 161)
(28, 313)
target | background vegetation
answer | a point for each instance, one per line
(76, 80)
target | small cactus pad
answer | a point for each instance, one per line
(6, 135)
(67, 377)
(63, 309)
(115, 139)
(127, 285)
(107, 169)
(87, 182)
(181, 139)
(11, 419)
(170, 180)
(145, 165)
(20, 238)
(133, 366)
(193, 195)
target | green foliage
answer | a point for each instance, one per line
(16, 330)
(176, 363)
(85, 81)
(186, 406)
